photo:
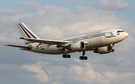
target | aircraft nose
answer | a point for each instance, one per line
(126, 35)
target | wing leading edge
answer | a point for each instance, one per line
(46, 41)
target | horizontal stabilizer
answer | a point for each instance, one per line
(22, 47)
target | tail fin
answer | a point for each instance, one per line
(26, 32)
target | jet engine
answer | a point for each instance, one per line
(30, 47)
(104, 50)
(78, 46)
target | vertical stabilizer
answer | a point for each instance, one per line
(26, 32)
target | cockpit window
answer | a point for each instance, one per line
(119, 31)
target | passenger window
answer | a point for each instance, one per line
(85, 37)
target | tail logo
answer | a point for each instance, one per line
(27, 32)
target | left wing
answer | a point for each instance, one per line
(46, 41)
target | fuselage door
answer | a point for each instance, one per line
(108, 35)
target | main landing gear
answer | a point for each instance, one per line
(83, 57)
(66, 55)
(112, 50)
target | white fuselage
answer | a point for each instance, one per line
(94, 39)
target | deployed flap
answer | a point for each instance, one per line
(24, 47)
(57, 42)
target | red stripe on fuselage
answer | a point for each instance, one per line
(25, 31)
(83, 39)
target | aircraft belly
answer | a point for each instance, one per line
(48, 50)
(53, 50)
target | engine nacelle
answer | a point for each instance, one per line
(78, 46)
(104, 50)
(30, 47)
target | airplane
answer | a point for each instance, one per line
(101, 42)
